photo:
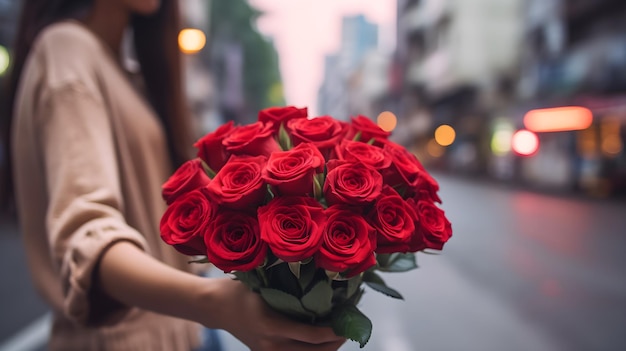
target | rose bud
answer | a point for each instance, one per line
(408, 171)
(184, 222)
(189, 176)
(253, 139)
(351, 183)
(292, 227)
(291, 172)
(394, 220)
(433, 228)
(239, 183)
(356, 151)
(233, 242)
(278, 115)
(324, 132)
(368, 129)
(210, 148)
(348, 243)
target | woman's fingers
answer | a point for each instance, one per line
(304, 333)
(244, 314)
(292, 345)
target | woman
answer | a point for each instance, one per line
(89, 156)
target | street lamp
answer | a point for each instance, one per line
(191, 40)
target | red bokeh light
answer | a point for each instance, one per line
(525, 143)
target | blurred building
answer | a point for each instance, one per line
(358, 38)
(456, 57)
(244, 63)
(574, 54)
(368, 85)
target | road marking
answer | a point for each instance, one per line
(32, 337)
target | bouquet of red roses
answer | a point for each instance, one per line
(305, 211)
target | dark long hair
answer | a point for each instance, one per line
(156, 48)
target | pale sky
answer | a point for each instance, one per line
(305, 30)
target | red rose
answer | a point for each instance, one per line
(210, 148)
(369, 130)
(324, 132)
(239, 183)
(394, 220)
(189, 176)
(292, 227)
(351, 183)
(291, 172)
(433, 229)
(356, 151)
(407, 170)
(252, 139)
(233, 242)
(278, 115)
(348, 243)
(184, 222)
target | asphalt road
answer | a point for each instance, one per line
(524, 271)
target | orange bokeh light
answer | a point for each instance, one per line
(525, 142)
(387, 121)
(191, 41)
(558, 119)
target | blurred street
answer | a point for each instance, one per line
(523, 271)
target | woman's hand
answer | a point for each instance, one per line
(244, 314)
(130, 276)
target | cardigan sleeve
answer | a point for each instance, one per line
(85, 213)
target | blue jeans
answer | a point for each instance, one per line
(210, 340)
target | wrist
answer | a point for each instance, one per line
(209, 301)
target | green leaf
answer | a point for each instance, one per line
(294, 267)
(281, 276)
(317, 188)
(349, 322)
(371, 277)
(430, 253)
(286, 303)
(383, 260)
(319, 299)
(283, 138)
(249, 278)
(377, 283)
(320, 177)
(400, 262)
(211, 173)
(385, 290)
(307, 273)
(357, 136)
(353, 285)
(356, 297)
(200, 260)
(371, 141)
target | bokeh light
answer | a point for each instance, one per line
(612, 145)
(434, 149)
(610, 134)
(191, 40)
(558, 119)
(5, 60)
(501, 142)
(525, 142)
(387, 121)
(445, 135)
